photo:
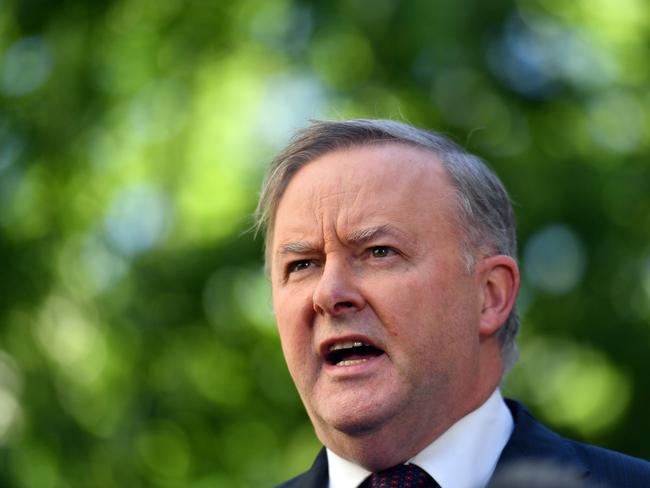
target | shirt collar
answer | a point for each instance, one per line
(465, 456)
(343, 473)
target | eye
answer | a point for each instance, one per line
(298, 265)
(381, 251)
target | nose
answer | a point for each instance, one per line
(337, 291)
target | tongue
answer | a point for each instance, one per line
(354, 355)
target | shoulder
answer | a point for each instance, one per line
(531, 440)
(316, 477)
(301, 481)
(296, 482)
(611, 466)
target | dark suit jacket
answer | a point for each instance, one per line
(532, 441)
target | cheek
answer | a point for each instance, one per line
(430, 314)
(296, 347)
(407, 301)
(292, 320)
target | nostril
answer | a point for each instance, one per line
(318, 309)
(336, 292)
(338, 307)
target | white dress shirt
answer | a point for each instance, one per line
(465, 456)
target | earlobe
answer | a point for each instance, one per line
(500, 284)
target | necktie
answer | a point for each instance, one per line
(400, 476)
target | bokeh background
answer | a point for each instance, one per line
(137, 344)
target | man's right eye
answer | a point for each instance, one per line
(299, 265)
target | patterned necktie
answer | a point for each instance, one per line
(400, 476)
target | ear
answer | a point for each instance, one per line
(499, 277)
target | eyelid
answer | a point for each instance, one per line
(389, 249)
(291, 265)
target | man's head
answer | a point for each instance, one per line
(391, 255)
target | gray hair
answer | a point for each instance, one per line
(484, 210)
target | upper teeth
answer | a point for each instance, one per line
(346, 345)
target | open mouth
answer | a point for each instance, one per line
(349, 353)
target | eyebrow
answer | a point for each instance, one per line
(369, 233)
(355, 237)
(297, 247)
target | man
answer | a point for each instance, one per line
(392, 257)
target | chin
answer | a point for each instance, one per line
(364, 440)
(357, 425)
(353, 419)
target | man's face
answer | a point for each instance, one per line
(378, 317)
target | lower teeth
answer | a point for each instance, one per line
(350, 362)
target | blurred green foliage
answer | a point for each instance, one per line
(137, 345)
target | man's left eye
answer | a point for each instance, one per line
(381, 251)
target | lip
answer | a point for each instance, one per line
(359, 370)
(355, 370)
(324, 347)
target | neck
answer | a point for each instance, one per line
(402, 437)
(398, 441)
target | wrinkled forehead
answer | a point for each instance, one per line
(387, 181)
(385, 157)
(424, 155)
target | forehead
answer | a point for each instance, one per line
(370, 185)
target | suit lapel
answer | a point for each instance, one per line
(530, 440)
(316, 477)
